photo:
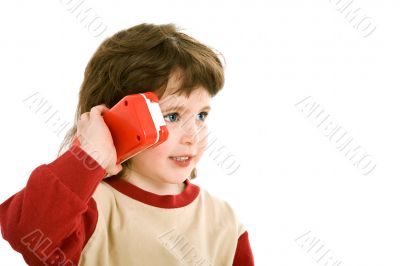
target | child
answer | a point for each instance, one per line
(84, 209)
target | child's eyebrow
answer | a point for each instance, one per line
(181, 108)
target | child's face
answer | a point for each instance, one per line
(187, 136)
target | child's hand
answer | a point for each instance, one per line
(95, 139)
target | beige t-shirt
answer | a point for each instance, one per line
(136, 227)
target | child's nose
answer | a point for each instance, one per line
(190, 133)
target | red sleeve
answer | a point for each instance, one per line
(50, 220)
(243, 254)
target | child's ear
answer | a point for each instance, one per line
(193, 174)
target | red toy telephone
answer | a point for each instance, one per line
(136, 123)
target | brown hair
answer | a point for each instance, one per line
(143, 58)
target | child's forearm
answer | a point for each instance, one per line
(54, 215)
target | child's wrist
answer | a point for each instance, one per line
(96, 155)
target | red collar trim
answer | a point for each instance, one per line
(189, 194)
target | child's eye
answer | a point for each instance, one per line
(203, 115)
(172, 117)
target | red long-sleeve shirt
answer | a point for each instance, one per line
(68, 214)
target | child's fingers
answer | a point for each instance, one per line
(94, 111)
(84, 116)
(98, 109)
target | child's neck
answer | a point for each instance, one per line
(154, 186)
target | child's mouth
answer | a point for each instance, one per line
(182, 161)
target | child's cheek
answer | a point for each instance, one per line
(167, 145)
(173, 132)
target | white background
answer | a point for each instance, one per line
(292, 179)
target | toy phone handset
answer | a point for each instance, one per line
(136, 123)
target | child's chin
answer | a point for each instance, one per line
(176, 179)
